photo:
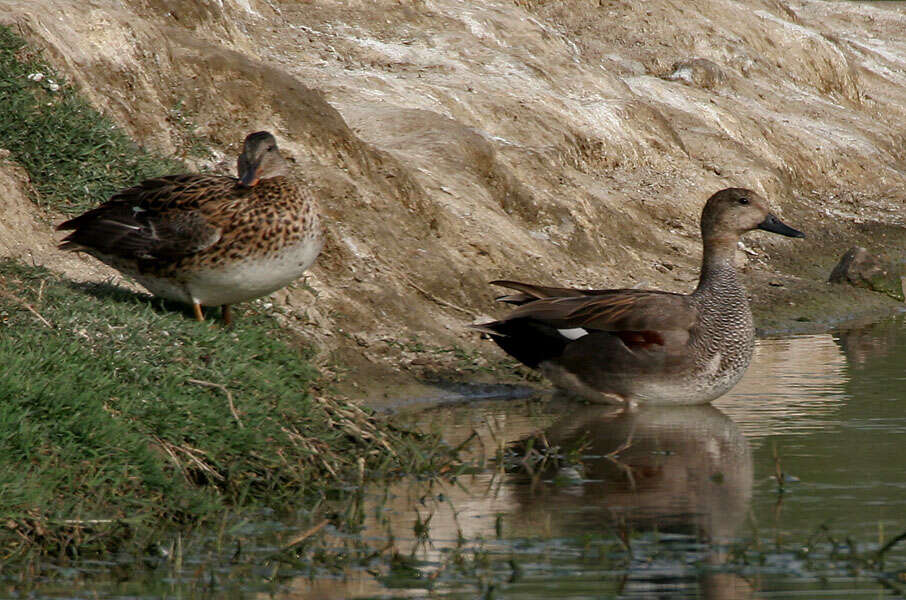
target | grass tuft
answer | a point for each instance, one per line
(120, 417)
(75, 156)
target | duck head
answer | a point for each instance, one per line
(732, 212)
(260, 159)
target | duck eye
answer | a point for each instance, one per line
(743, 200)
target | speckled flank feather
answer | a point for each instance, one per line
(207, 239)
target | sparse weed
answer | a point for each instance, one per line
(75, 156)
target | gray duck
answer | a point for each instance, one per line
(646, 346)
(208, 240)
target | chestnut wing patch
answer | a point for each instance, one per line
(640, 340)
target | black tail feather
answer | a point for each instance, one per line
(528, 341)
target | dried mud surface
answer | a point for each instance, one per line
(560, 142)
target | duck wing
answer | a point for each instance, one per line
(616, 322)
(161, 218)
(529, 291)
(612, 310)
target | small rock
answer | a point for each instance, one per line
(698, 71)
(423, 363)
(861, 268)
(857, 267)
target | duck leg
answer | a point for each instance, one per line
(227, 314)
(198, 314)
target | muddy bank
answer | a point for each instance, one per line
(455, 143)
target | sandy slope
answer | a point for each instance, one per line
(559, 141)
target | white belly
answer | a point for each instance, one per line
(241, 280)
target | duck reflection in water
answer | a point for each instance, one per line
(677, 470)
(863, 344)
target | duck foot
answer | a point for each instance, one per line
(199, 316)
(227, 314)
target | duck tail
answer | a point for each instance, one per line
(526, 340)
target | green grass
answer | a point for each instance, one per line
(121, 418)
(116, 418)
(75, 156)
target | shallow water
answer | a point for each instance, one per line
(680, 502)
(786, 487)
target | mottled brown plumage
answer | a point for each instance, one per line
(646, 346)
(204, 239)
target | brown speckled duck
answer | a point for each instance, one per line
(208, 240)
(642, 346)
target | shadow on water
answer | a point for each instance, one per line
(448, 393)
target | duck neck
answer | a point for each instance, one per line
(718, 265)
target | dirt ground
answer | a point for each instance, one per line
(453, 143)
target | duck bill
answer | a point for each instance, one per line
(775, 225)
(250, 177)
